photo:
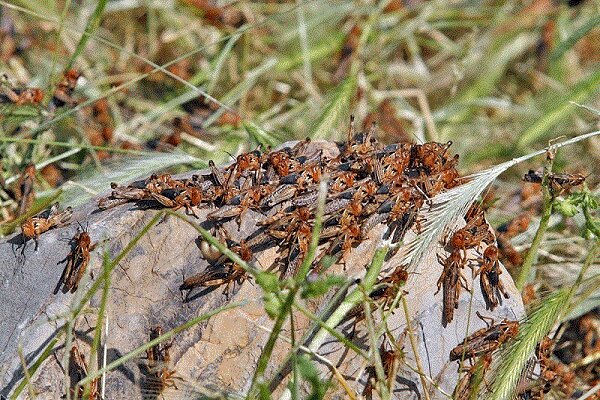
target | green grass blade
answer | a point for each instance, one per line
(168, 335)
(325, 48)
(218, 64)
(215, 242)
(93, 363)
(74, 145)
(39, 205)
(493, 67)
(91, 26)
(354, 297)
(316, 232)
(337, 109)
(537, 325)
(574, 37)
(112, 265)
(547, 206)
(59, 30)
(34, 367)
(564, 107)
(286, 308)
(339, 336)
(260, 135)
(40, 6)
(240, 90)
(318, 321)
(350, 301)
(265, 356)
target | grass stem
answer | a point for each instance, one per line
(415, 348)
(531, 256)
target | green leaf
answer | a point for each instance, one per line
(321, 286)
(311, 374)
(268, 281)
(273, 304)
(566, 207)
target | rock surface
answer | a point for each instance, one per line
(219, 354)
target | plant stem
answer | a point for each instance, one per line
(531, 256)
(286, 307)
(413, 345)
(375, 356)
(295, 369)
(263, 361)
(34, 367)
(589, 260)
(331, 331)
(93, 363)
(350, 301)
(589, 222)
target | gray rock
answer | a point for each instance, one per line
(219, 354)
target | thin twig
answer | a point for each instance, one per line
(413, 344)
(375, 356)
(104, 355)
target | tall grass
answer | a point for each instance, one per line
(536, 326)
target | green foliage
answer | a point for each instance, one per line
(577, 202)
(91, 26)
(268, 281)
(309, 372)
(513, 361)
(566, 207)
(585, 199)
(320, 286)
(273, 305)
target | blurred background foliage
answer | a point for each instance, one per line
(496, 78)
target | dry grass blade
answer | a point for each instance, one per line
(138, 351)
(123, 170)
